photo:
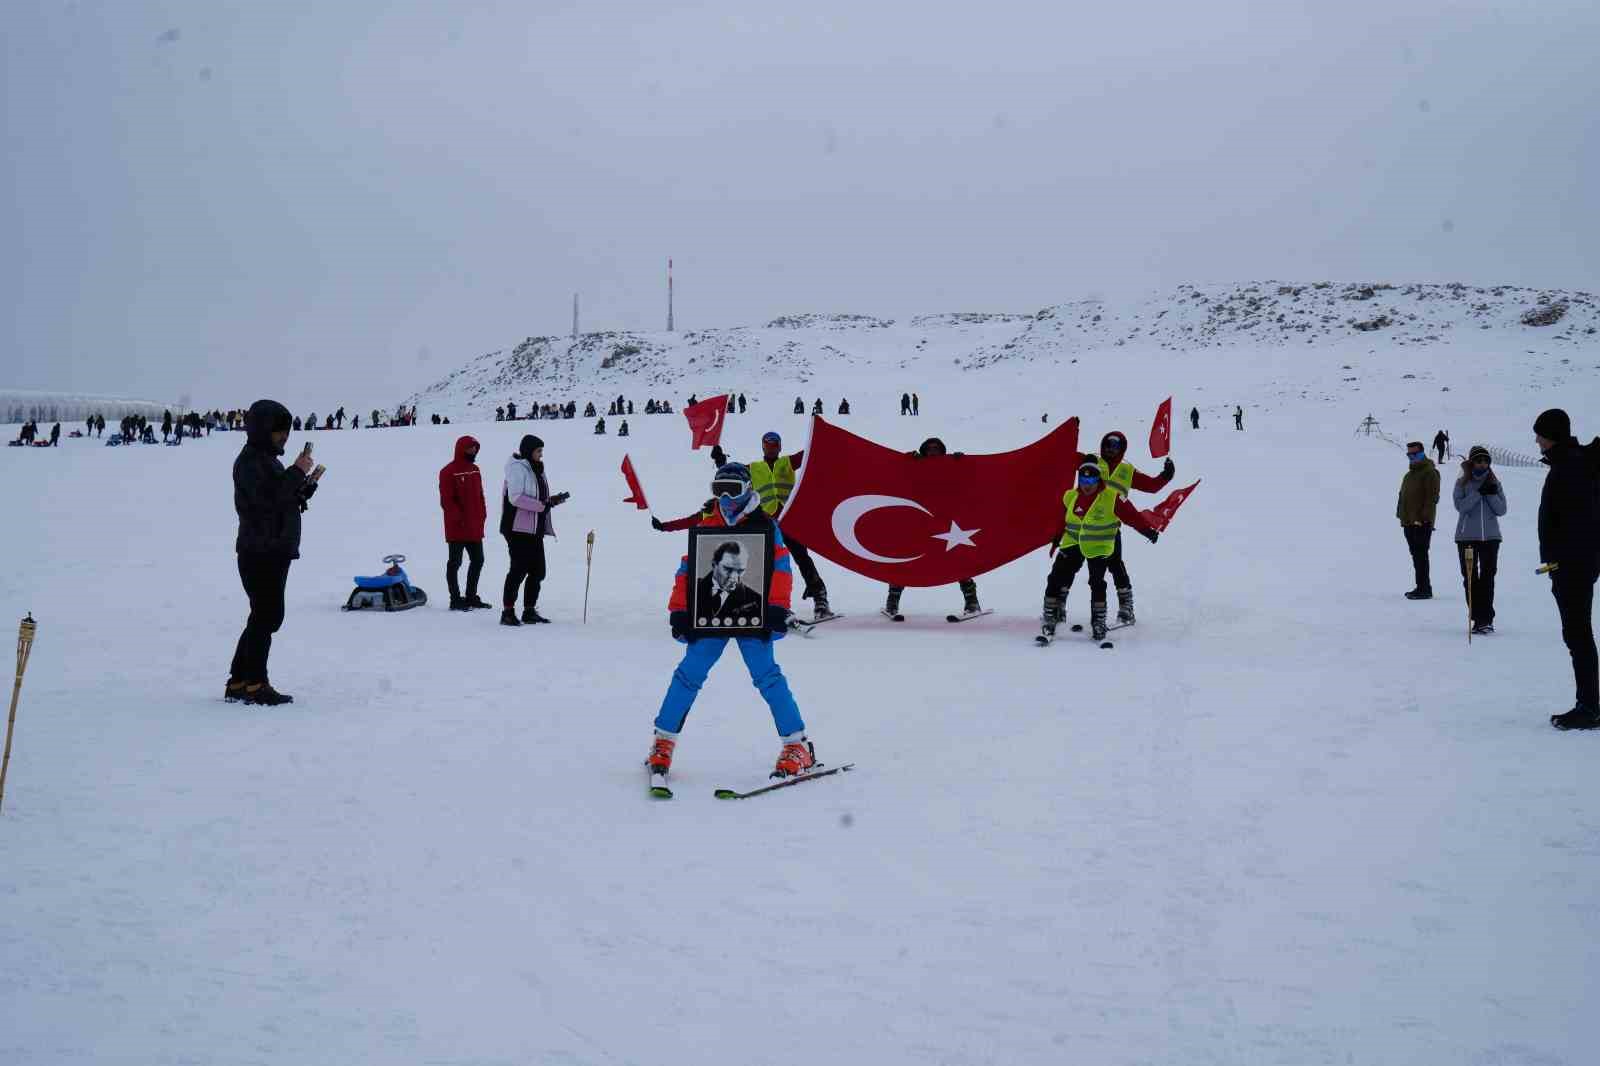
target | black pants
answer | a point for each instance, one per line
(969, 593)
(527, 565)
(1573, 588)
(263, 577)
(474, 551)
(1068, 562)
(1485, 564)
(808, 569)
(1417, 539)
(1118, 569)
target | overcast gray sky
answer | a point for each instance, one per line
(214, 198)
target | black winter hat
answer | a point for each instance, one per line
(926, 447)
(1478, 451)
(1553, 425)
(528, 445)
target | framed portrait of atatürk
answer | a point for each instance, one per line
(730, 573)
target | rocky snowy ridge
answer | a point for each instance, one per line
(800, 348)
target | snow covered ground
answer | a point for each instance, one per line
(1292, 817)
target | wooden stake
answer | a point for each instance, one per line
(25, 633)
(1467, 553)
(588, 569)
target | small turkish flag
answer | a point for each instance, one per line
(705, 421)
(1162, 513)
(637, 499)
(1161, 431)
(909, 521)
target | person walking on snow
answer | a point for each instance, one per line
(465, 513)
(773, 480)
(1122, 478)
(269, 501)
(1416, 509)
(1441, 445)
(1480, 504)
(1094, 515)
(1569, 543)
(525, 506)
(934, 448)
(738, 506)
(1238, 417)
(1194, 418)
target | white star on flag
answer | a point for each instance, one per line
(957, 537)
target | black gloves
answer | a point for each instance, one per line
(1150, 536)
(560, 498)
(1490, 487)
(679, 621)
(308, 489)
(1169, 471)
(777, 620)
(718, 456)
(655, 524)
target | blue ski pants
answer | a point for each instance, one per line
(698, 659)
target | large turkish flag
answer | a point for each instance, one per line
(909, 521)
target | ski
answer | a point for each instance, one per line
(893, 616)
(966, 617)
(730, 794)
(1078, 628)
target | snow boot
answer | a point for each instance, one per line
(1125, 605)
(458, 604)
(819, 605)
(475, 603)
(258, 693)
(969, 599)
(1054, 609)
(660, 759)
(797, 756)
(1580, 717)
(1483, 629)
(531, 616)
(508, 617)
(1097, 619)
(1420, 594)
(892, 604)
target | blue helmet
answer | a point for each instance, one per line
(771, 437)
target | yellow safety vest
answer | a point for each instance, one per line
(1120, 479)
(773, 482)
(1095, 534)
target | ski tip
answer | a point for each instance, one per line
(1078, 628)
(1107, 644)
(726, 794)
(661, 793)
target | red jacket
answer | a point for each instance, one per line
(461, 495)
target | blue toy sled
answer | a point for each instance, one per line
(391, 590)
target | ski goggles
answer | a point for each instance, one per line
(731, 489)
(1086, 477)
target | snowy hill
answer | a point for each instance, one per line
(1291, 818)
(812, 351)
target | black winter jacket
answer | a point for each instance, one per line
(267, 497)
(1569, 507)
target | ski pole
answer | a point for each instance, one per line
(1467, 552)
(588, 569)
(25, 633)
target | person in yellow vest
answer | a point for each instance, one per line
(772, 477)
(1094, 515)
(1122, 477)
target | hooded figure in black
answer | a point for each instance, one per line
(269, 500)
(933, 448)
(1569, 542)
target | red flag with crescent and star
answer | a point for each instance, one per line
(705, 421)
(637, 499)
(1161, 431)
(907, 521)
(1161, 514)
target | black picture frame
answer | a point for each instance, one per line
(744, 613)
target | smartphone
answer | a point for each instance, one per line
(316, 475)
(307, 449)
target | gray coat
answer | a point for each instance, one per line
(1479, 515)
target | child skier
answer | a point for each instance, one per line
(933, 447)
(1094, 516)
(738, 506)
(1123, 477)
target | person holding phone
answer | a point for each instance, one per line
(525, 506)
(269, 501)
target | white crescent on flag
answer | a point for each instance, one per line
(850, 511)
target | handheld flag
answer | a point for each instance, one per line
(705, 421)
(637, 499)
(1161, 430)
